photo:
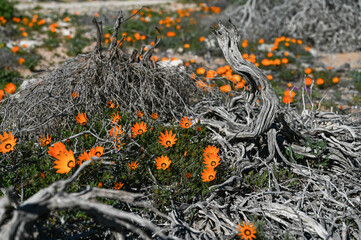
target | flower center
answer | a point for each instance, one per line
(140, 131)
(247, 232)
(168, 143)
(71, 164)
(163, 165)
(210, 177)
(213, 163)
(98, 154)
(8, 146)
(46, 142)
(186, 124)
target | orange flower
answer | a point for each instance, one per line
(245, 43)
(308, 70)
(270, 54)
(185, 122)
(21, 61)
(162, 162)
(212, 160)
(45, 140)
(335, 80)
(225, 88)
(111, 104)
(115, 118)
(15, 49)
(133, 165)
(139, 114)
(167, 140)
(188, 175)
(115, 131)
(10, 88)
(202, 39)
(284, 60)
(287, 99)
(57, 149)
(208, 174)
(66, 162)
(118, 185)
(186, 45)
(75, 94)
(269, 77)
(7, 142)
(100, 185)
(171, 34)
(83, 157)
(210, 150)
(308, 81)
(97, 151)
(154, 116)
(261, 41)
(66, 19)
(320, 81)
(139, 128)
(81, 119)
(200, 71)
(1, 94)
(247, 231)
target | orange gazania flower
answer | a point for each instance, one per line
(308, 70)
(1, 94)
(115, 131)
(225, 88)
(7, 142)
(139, 128)
(97, 151)
(45, 140)
(167, 140)
(75, 94)
(208, 174)
(66, 162)
(247, 231)
(115, 118)
(21, 61)
(185, 122)
(209, 150)
(81, 119)
(335, 80)
(200, 71)
(118, 185)
(57, 149)
(83, 157)
(15, 49)
(162, 162)
(261, 41)
(133, 165)
(111, 104)
(139, 114)
(10, 88)
(154, 116)
(212, 160)
(320, 81)
(269, 77)
(201, 39)
(100, 185)
(188, 175)
(171, 34)
(308, 81)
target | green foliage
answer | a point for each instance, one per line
(356, 75)
(76, 44)
(6, 9)
(7, 76)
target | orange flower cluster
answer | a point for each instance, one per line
(53, 27)
(211, 160)
(213, 9)
(7, 142)
(288, 96)
(286, 41)
(86, 156)
(2, 20)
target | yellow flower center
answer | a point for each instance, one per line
(186, 124)
(8, 146)
(98, 154)
(168, 143)
(140, 131)
(213, 163)
(46, 142)
(247, 232)
(163, 165)
(210, 177)
(71, 164)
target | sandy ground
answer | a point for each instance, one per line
(335, 60)
(89, 7)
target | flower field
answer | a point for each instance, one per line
(169, 122)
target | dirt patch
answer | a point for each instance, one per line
(337, 59)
